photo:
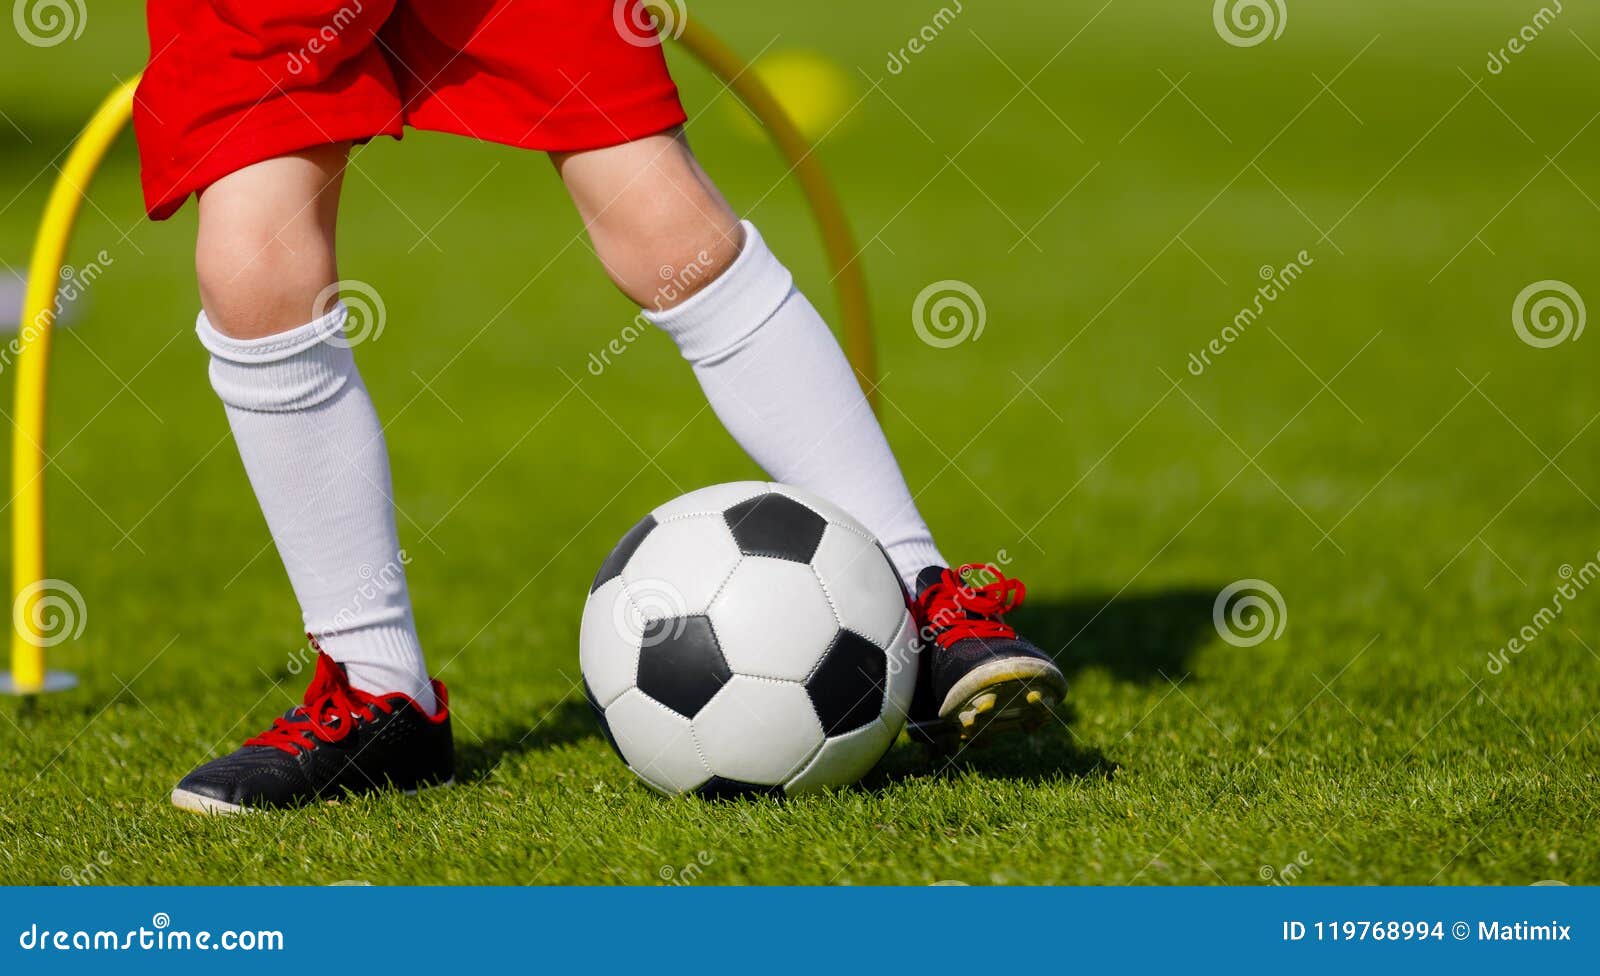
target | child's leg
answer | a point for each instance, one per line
(769, 365)
(304, 424)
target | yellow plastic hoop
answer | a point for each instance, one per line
(28, 675)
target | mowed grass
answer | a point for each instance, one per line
(1379, 446)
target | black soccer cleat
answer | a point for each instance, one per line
(341, 740)
(976, 673)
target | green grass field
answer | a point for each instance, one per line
(1379, 445)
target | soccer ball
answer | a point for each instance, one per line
(748, 638)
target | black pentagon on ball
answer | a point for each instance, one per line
(777, 526)
(680, 664)
(722, 788)
(624, 551)
(600, 716)
(849, 683)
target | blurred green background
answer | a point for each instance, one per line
(1379, 445)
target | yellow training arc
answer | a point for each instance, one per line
(28, 675)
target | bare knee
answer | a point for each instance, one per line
(256, 281)
(264, 255)
(659, 226)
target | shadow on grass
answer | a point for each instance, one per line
(1133, 638)
(569, 722)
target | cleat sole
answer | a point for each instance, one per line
(1007, 705)
(1000, 698)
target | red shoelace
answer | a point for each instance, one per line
(952, 610)
(329, 712)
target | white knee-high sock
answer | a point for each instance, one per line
(780, 384)
(315, 454)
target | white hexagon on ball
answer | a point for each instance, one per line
(608, 649)
(843, 759)
(680, 566)
(758, 731)
(863, 587)
(772, 619)
(904, 660)
(656, 742)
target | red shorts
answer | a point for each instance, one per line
(235, 82)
